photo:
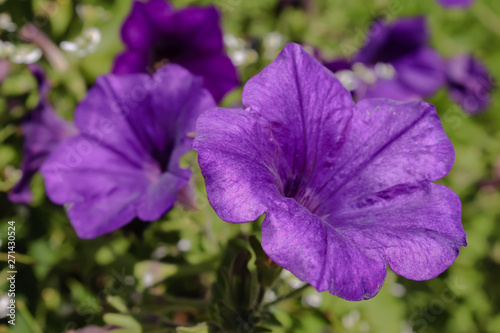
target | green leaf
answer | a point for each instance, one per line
(150, 272)
(201, 328)
(118, 303)
(124, 321)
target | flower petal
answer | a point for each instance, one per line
(137, 30)
(230, 150)
(140, 116)
(129, 62)
(43, 131)
(389, 143)
(307, 109)
(349, 259)
(316, 253)
(106, 113)
(469, 83)
(422, 71)
(416, 228)
(100, 183)
(160, 12)
(387, 42)
(81, 168)
(387, 88)
(178, 99)
(103, 214)
(418, 75)
(337, 64)
(200, 27)
(161, 196)
(218, 73)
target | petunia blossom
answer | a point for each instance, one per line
(155, 33)
(43, 131)
(125, 163)
(456, 3)
(469, 83)
(346, 188)
(395, 62)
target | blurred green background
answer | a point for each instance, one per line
(167, 268)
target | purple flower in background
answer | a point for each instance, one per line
(154, 33)
(456, 3)
(395, 62)
(125, 163)
(43, 131)
(346, 188)
(469, 83)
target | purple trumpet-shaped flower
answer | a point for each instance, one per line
(456, 3)
(154, 33)
(469, 83)
(43, 131)
(346, 188)
(125, 163)
(395, 62)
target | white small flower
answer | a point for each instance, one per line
(384, 71)
(398, 290)
(84, 44)
(296, 283)
(272, 43)
(313, 299)
(6, 49)
(184, 245)
(6, 23)
(285, 274)
(148, 279)
(350, 319)
(25, 54)
(273, 40)
(348, 79)
(364, 326)
(234, 43)
(364, 73)
(269, 296)
(160, 252)
(4, 302)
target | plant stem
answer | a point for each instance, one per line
(286, 296)
(260, 296)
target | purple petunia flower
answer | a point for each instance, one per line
(346, 188)
(456, 3)
(469, 83)
(395, 62)
(125, 163)
(43, 131)
(154, 33)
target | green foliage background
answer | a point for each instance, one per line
(64, 282)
